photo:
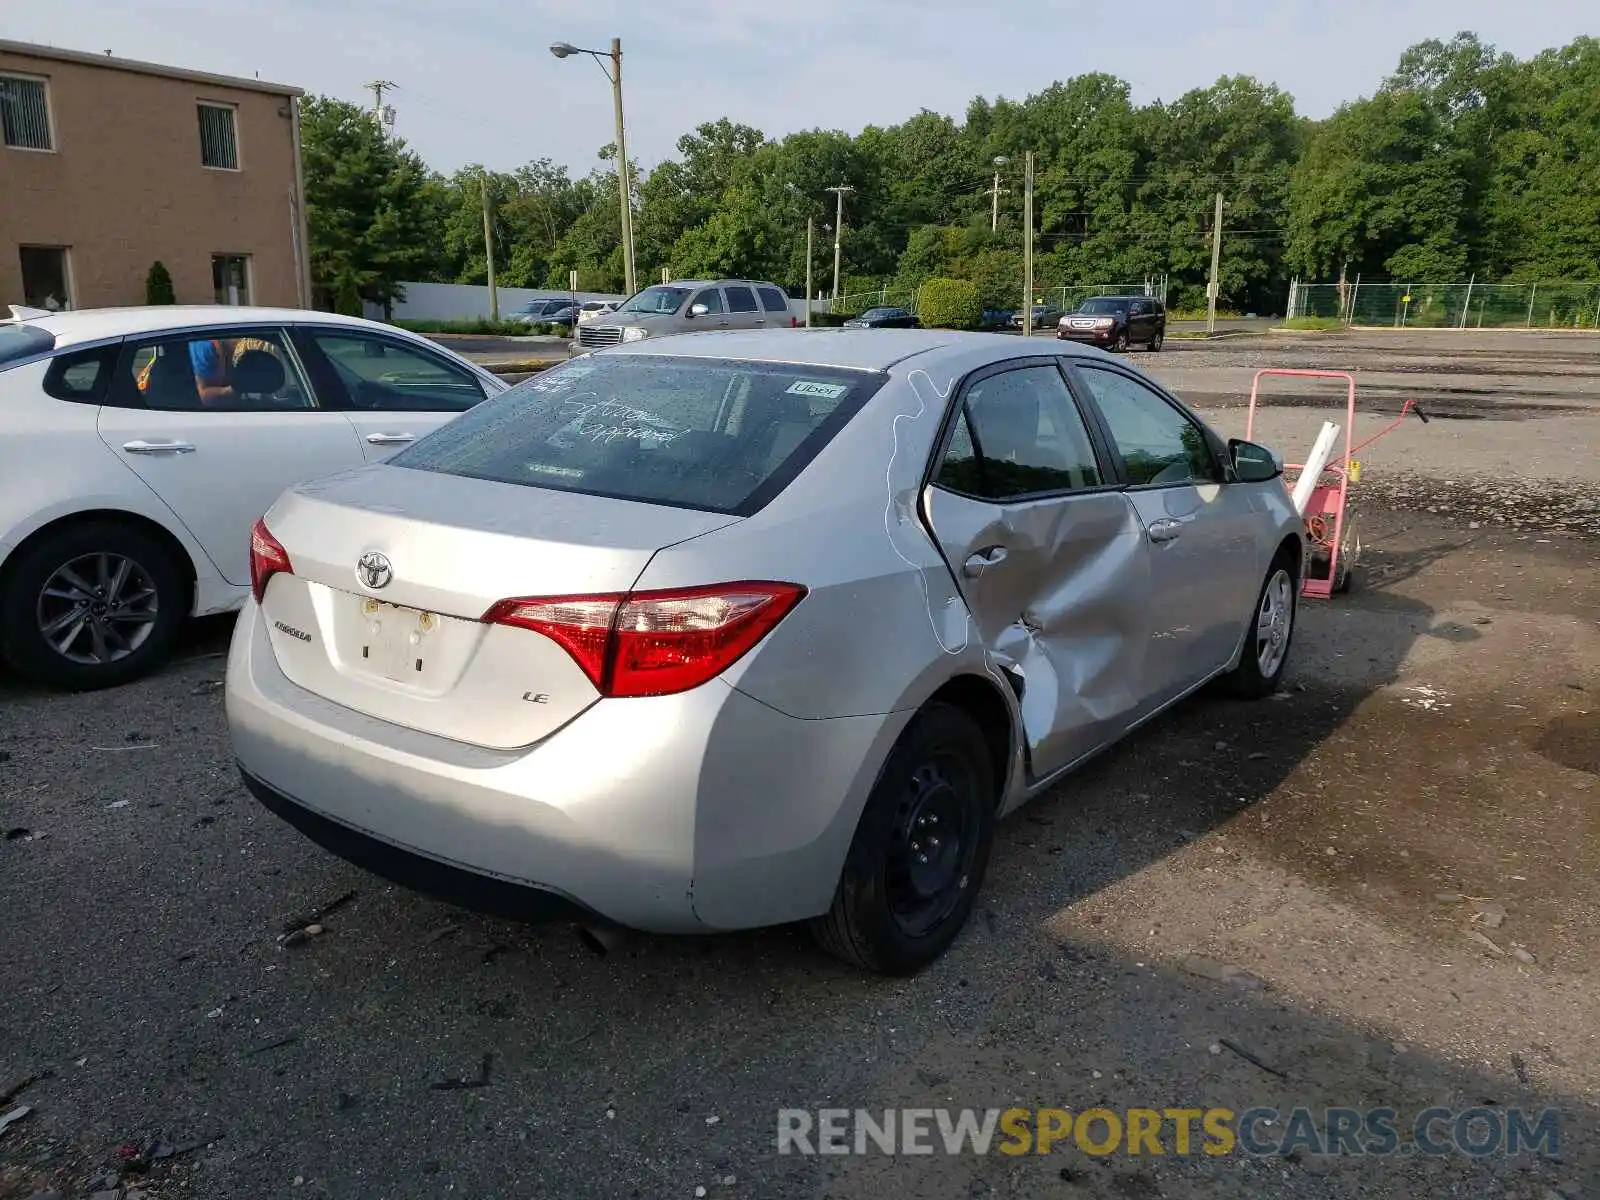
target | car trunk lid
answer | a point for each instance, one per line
(393, 569)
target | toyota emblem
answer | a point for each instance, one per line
(374, 570)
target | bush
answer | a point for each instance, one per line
(949, 304)
(158, 285)
(477, 325)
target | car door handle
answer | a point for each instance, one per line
(141, 446)
(390, 439)
(975, 565)
(1165, 530)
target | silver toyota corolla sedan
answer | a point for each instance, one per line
(726, 630)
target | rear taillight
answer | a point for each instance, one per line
(267, 558)
(655, 643)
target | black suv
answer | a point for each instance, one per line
(1116, 322)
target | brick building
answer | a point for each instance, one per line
(109, 165)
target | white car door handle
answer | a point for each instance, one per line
(977, 563)
(390, 439)
(141, 446)
(1165, 530)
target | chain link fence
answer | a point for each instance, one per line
(1470, 305)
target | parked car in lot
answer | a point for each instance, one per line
(589, 310)
(548, 310)
(1116, 322)
(884, 317)
(689, 306)
(740, 629)
(1044, 316)
(139, 445)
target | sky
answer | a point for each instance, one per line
(477, 83)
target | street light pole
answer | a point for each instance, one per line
(624, 189)
(810, 225)
(623, 182)
(838, 232)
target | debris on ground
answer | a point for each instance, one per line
(206, 687)
(1523, 956)
(15, 1115)
(1221, 972)
(1252, 1058)
(1425, 697)
(287, 1040)
(1485, 942)
(1490, 916)
(119, 804)
(317, 915)
(482, 1080)
(12, 1091)
(1521, 1068)
(299, 937)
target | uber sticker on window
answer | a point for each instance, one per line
(808, 387)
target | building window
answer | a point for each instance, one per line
(46, 281)
(25, 113)
(219, 137)
(230, 278)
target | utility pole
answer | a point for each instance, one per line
(488, 246)
(623, 182)
(810, 228)
(1216, 263)
(838, 231)
(1027, 245)
(378, 87)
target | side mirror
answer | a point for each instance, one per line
(1253, 463)
(698, 310)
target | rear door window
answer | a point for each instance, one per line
(773, 300)
(724, 436)
(741, 300)
(82, 375)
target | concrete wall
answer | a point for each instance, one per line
(465, 301)
(123, 185)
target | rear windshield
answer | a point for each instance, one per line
(1104, 308)
(712, 434)
(22, 341)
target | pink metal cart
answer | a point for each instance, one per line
(1333, 553)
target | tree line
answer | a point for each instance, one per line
(1465, 161)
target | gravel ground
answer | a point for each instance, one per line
(1401, 851)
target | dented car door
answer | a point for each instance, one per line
(1048, 555)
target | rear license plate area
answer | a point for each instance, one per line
(394, 641)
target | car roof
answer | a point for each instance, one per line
(694, 283)
(96, 324)
(852, 349)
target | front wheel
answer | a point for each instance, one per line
(1266, 647)
(920, 851)
(1119, 344)
(97, 605)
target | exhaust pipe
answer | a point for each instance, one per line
(601, 940)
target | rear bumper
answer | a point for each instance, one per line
(456, 885)
(676, 814)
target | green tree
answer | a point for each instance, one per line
(366, 207)
(158, 285)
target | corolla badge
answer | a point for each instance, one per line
(374, 570)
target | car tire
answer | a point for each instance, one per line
(1155, 342)
(1119, 344)
(939, 777)
(154, 586)
(1259, 672)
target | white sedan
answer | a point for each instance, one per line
(138, 446)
